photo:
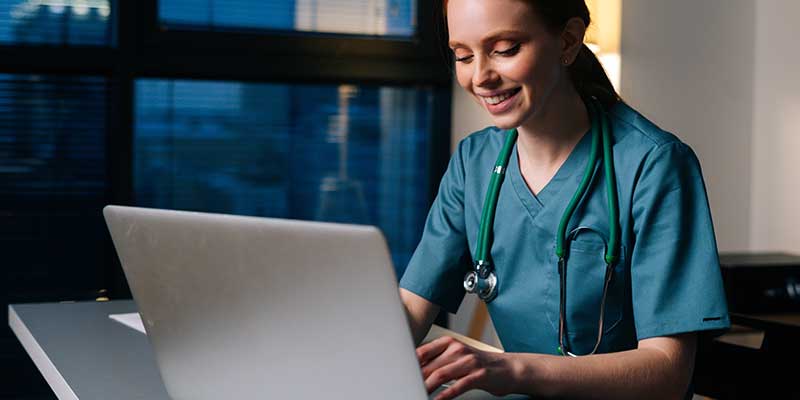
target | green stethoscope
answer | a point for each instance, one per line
(483, 281)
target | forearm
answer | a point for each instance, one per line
(647, 372)
(420, 313)
(419, 327)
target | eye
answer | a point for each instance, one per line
(461, 55)
(464, 59)
(508, 52)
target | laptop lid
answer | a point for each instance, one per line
(245, 307)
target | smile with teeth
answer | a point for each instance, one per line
(494, 100)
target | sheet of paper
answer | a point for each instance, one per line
(437, 332)
(131, 320)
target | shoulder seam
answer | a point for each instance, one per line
(645, 133)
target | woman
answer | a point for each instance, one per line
(525, 63)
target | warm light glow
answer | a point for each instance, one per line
(611, 63)
(346, 16)
(80, 7)
(593, 47)
(603, 36)
(606, 24)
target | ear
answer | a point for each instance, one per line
(572, 39)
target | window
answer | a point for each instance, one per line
(360, 17)
(55, 22)
(346, 126)
(217, 107)
(342, 153)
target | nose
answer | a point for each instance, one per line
(484, 74)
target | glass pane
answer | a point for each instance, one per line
(359, 17)
(317, 152)
(55, 22)
(52, 182)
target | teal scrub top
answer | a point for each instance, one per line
(666, 282)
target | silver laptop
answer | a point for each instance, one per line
(245, 307)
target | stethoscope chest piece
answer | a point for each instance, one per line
(482, 282)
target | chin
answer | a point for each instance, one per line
(512, 119)
(507, 122)
(505, 126)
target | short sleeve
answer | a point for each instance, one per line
(436, 270)
(676, 283)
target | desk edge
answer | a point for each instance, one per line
(46, 367)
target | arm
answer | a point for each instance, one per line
(436, 268)
(420, 312)
(660, 368)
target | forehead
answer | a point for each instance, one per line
(471, 22)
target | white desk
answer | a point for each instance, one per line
(85, 355)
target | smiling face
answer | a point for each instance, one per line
(505, 58)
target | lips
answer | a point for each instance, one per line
(499, 98)
(500, 102)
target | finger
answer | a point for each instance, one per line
(454, 351)
(433, 349)
(461, 386)
(457, 369)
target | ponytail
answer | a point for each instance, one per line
(586, 72)
(590, 79)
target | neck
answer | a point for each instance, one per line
(546, 139)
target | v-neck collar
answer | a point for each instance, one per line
(564, 179)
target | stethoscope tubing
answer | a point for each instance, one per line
(563, 341)
(492, 194)
(612, 250)
(582, 187)
(483, 280)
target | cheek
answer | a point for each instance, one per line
(463, 76)
(547, 72)
(520, 72)
(538, 78)
(537, 71)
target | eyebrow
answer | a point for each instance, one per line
(490, 37)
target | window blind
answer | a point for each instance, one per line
(55, 22)
(339, 153)
(358, 17)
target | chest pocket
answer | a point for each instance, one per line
(585, 270)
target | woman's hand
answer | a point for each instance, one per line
(446, 359)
